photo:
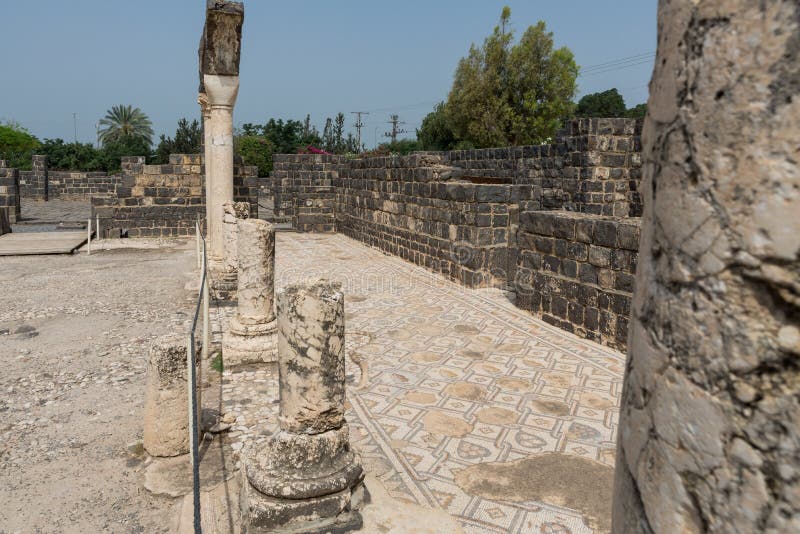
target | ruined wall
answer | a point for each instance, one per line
(457, 213)
(43, 183)
(9, 194)
(576, 271)
(401, 205)
(709, 435)
(165, 200)
(33, 183)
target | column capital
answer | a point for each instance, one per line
(205, 106)
(221, 90)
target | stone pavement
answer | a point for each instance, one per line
(444, 380)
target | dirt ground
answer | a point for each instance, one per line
(74, 332)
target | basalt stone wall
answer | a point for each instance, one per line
(42, 183)
(80, 185)
(402, 205)
(166, 200)
(576, 271)
(458, 213)
(302, 189)
(9, 193)
(33, 183)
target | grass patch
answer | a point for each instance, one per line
(216, 362)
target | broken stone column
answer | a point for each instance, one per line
(166, 405)
(224, 273)
(219, 55)
(307, 478)
(251, 332)
(709, 436)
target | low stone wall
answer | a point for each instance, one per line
(166, 200)
(576, 272)
(42, 183)
(9, 194)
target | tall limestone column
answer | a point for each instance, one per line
(219, 56)
(709, 437)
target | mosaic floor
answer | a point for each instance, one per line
(452, 377)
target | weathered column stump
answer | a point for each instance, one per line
(307, 479)
(251, 335)
(224, 273)
(166, 405)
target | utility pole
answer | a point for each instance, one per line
(395, 121)
(75, 125)
(359, 125)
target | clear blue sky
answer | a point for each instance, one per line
(298, 57)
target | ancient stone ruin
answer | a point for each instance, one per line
(166, 407)
(709, 437)
(307, 479)
(250, 337)
(219, 54)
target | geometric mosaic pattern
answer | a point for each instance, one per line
(453, 377)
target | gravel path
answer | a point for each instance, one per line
(74, 332)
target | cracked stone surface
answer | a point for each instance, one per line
(710, 431)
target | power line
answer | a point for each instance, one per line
(612, 69)
(394, 120)
(359, 124)
(620, 60)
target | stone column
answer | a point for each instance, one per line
(219, 54)
(221, 92)
(709, 437)
(250, 337)
(205, 110)
(166, 405)
(307, 478)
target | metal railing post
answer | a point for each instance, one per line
(89, 237)
(194, 433)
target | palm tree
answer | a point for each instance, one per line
(125, 121)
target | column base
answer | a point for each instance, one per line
(245, 344)
(303, 483)
(224, 285)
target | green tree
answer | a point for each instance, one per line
(435, 132)
(637, 112)
(604, 104)
(112, 151)
(188, 139)
(17, 145)
(256, 150)
(512, 94)
(125, 121)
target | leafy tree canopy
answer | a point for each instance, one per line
(188, 140)
(435, 132)
(607, 104)
(512, 94)
(256, 150)
(125, 121)
(16, 145)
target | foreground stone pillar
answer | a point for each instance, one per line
(709, 437)
(219, 53)
(307, 479)
(251, 333)
(166, 405)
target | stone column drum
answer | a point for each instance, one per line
(709, 431)
(250, 337)
(166, 405)
(307, 478)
